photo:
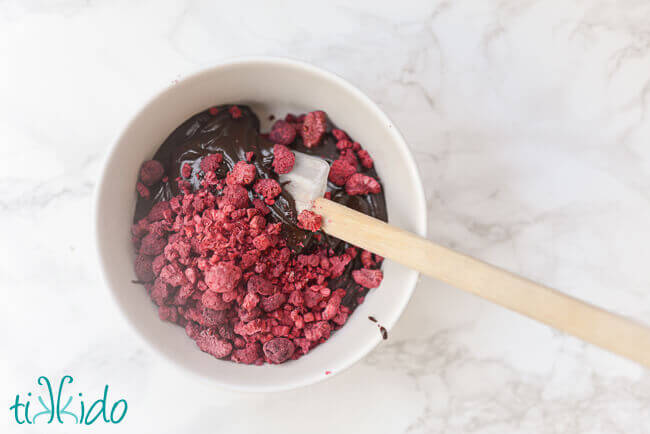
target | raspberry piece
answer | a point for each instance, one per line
(241, 174)
(152, 244)
(151, 172)
(278, 350)
(142, 190)
(235, 112)
(368, 278)
(172, 275)
(186, 170)
(214, 301)
(282, 133)
(211, 162)
(309, 220)
(283, 159)
(273, 302)
(208, 341)
(313, 128)
(260, 285)
(214, 110)
(248, 355)
(367, 260)
(236, 195)
(365, 158)
(317, 330)
(157, 211)
(339, 134)
(268, 188)
(343, 144)
(143, 268)
(223, 277)
(249, 156)
(340, 171)
(250, 301)
(261, 206)
(362, 184)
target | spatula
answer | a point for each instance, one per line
(308, 183)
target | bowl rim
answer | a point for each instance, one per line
(409, 159)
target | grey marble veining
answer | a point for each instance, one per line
(529, 121)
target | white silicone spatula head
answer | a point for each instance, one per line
(307, 180)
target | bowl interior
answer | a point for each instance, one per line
(270, 86)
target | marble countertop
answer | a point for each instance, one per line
(529, 123)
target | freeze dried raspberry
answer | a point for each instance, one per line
(309, 220)
(278, 350)
(282, 133)
(250, 301)
(361, 184)
(273, 302)
(167, 313)
(365, 158)
(142, 190)
(367, 260)
(260, 285)
(214, 301)
(158, 264)
(313, 128)
(339, 134)
(143, 268)
(236, 195)
(158, 211)
(283, 159)
(211, 162)
(209, 342)
(261, 206)
(223, 277)
(268, 188)
(343, 144)
(186, 170)
(214, 111)
(317, 330)
(248, 355)
(151, 172)
(152, 244)
(172, 275)
(368, 278)
(340, 171)
(241, 174)
(235, 112)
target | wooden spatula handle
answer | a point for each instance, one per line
(590, 323)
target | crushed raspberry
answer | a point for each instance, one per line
(313, 128)
(368, 278)
(268, 188)
(339, 134)
(223, 277)
(186, 171)
(365, 158)
(283, 159)
(282, 133)
(309, 220)
(151, 172)
(142, 190)
(362, 184)
(143, 268)
(235, 112)
(215, 259)
(278, 350)
(236, 195)
(242, 173)
(211, 162)
(340, 171)
(212, 343)
(214, 111)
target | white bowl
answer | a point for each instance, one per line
(269, 85)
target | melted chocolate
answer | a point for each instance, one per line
(204, 134)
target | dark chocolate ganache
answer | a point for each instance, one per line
(206, 133)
